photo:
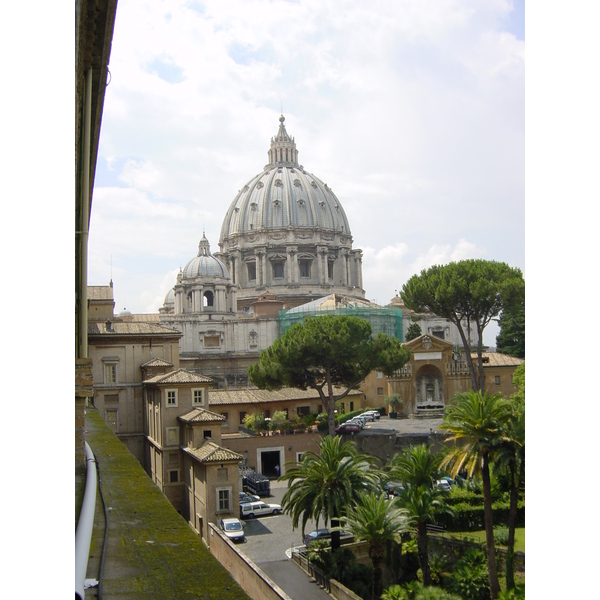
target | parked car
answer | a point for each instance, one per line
(375, 413)
(233, 528)
(368, 416)
(244, 497)
(347, 428)
(324, 534)
(249, 510)
(393, 489)
(443, 485)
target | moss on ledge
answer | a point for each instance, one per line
(152, 552)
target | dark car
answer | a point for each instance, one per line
(393, 489)
(244, 497)
(324, 534)
(347, 428)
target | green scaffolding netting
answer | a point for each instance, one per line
(383, 320)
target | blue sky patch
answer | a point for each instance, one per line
(167, 71)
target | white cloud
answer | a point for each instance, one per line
(411, 112)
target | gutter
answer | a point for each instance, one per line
(83, 535)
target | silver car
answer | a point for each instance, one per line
(233, 528)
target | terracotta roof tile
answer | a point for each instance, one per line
(256, 396)
(211, 452)
(496, 359)
(157, 362)
(200, 415)
(129, 328)
(99, 292)
(179, 376)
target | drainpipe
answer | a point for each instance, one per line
(83, 535)
(85, 212)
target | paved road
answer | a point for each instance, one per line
(268, 539)
(400, 426)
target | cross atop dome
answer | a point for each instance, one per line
(283, 147)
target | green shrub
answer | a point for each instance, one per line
(501, 535)
(320, 556)
(469, 578)
(416, 591)
(359, 579)
(518, 593)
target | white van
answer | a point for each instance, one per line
(248, 510)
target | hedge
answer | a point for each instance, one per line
(469, 517)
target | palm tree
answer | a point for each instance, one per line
(510, 458)
(376, 521)
(417, 469)
(324, 484)
(478, 420)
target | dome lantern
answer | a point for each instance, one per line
(283, 147)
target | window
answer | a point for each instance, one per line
(226, 415)
(305, 268)
(198, 397)
(330, 269)
(242, 416)
(172, 436)
(278, 270)
(351, 406)
(207, 434)
(497, 379)
(110, 373)
(251, 271)
(208, 299)
(304, 410)
(171, 396)
(267, 414)
(111, 418)
(173, 475)
(438, 333)
(380, 391)
(379, 374)
(212, 341)
(222, 500)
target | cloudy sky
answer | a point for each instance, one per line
(412, 112)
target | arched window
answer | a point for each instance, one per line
(208, 299)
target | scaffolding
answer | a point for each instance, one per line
(387, 320)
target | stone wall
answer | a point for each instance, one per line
(254, 582)
(83, 390)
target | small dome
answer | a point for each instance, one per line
(170, 297)
(125, 313)
(205, 264)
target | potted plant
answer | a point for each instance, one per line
(395, 403)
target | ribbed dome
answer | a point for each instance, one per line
(170, 297)
(284, 196)
(205, 264)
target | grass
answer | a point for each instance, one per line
(479, 536)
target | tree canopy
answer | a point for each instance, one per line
(323, 485)
(468, 293)
(324, 352)
(413, 331)
(511, 339)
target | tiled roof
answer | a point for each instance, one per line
(179, 376)
(157, 362)
(145, 318)
(201, 415)
(211, 452)
(99, 292)
(130, 328)
(256, 396)
(496, 359)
